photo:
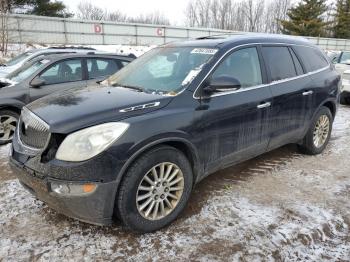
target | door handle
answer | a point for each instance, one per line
(307, 93)
(264, 105)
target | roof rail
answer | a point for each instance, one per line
(220, 36)
(212, 37)
(72, 47)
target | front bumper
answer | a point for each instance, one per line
(95, 208)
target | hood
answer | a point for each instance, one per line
(4, 82)
(5, 70)
(75, 109)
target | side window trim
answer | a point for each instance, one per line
(57, 62)
(263, 66)
(258, 45)
(293, 54)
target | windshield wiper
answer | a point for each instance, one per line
(137, 88)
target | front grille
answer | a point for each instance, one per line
(33, 131)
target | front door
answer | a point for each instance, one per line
(233, 125)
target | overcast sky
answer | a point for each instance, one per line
(172, 9)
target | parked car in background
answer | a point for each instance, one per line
(175, 115)
(30, 55)
(49, 74)
(332, 55)
(342, 64)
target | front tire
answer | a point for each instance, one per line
(8, 123)
(319, 133)
(155, 189)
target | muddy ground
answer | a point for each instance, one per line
(282, 206)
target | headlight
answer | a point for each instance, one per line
(87, 143)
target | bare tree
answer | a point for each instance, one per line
(239, 15)
(86, 10)
(253, 11)
(155, 18)
(4, 35)
(115, 16)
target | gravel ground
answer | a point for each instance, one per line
(281, 206)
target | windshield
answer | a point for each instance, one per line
(345, 58)
(166, 70)
(27, 70)
(18, 58)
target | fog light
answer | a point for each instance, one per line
(72, 189)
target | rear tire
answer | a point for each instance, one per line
(155, 189)
(8, 123)
(319, 133)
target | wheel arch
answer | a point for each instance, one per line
(13, 108)
(181, 144)
(12, 105)
(331, 106)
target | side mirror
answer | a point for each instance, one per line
(335, 60)
(37, 82)
(222, 84)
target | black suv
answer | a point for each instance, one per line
(134, 146)
(49, 74)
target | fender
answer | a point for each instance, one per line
(329, 100)
(8, 102)
(196, 166)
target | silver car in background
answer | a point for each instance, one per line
(16, 62)
(342, 64)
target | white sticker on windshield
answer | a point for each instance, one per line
(205, 51)
(191, 75)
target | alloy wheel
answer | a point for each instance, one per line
(7, 127)
(321, 131)
(160, 191)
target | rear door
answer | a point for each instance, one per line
(325, 79)
(99, 69)
(292, 94)
(63, 75)
(234, 124)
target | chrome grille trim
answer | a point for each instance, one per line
(39, 134)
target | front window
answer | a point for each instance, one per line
(26, 71)
(244, 65)
(166, 70)
(18, 58)
(62, 72)
(345, 58)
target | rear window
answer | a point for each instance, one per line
(279, 62)
(98, 67)
(312, 58)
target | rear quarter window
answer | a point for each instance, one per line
(312, 58)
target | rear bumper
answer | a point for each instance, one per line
(95, 208)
